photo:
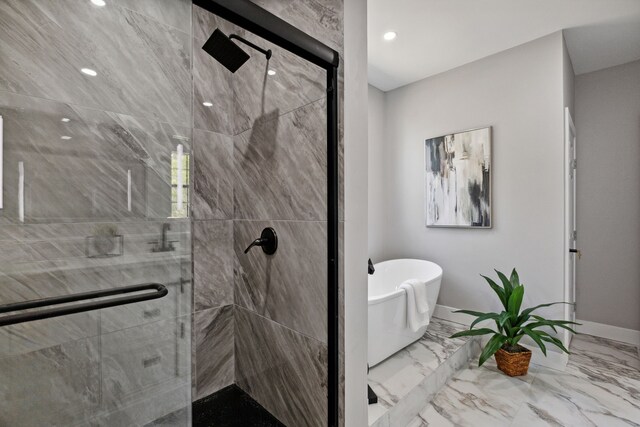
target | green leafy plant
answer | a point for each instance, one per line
(512, 324)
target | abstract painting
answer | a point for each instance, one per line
(458, 179)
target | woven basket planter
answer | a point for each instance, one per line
(513, 364)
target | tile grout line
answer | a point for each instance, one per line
(280, 324)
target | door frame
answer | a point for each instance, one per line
(569, 257)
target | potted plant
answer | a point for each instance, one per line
(512, 325)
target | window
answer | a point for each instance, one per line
(180, 197)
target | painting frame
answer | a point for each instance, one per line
(488, 183)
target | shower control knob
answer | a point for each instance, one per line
(268, 240)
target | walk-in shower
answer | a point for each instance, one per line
(133, 194)
(272, 29)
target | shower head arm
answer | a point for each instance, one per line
(266, 53)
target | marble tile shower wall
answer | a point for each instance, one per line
(130, 364)
(260, 160)
(257, 159)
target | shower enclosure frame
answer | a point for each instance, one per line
(260, 22)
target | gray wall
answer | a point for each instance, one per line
(377, 176)
(568, 78)
(355, 205)
(608, 131)
(520, 93)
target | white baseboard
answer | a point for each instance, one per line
(554, 359)
(447, 313)
(616, 333)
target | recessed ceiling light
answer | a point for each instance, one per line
(271, 72)
(65, 137)
(207, 104)
(64, 119)
(98, 2)
(89, 72)
(390, 35)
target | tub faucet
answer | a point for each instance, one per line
(371, 267)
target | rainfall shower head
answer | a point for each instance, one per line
(229, 54)
(225, 51)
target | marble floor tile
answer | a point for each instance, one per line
(600, 387)
(378, 415)
(587, 350)
(395, 377)
(476, 397)
(569, 400)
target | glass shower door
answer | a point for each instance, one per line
(261, 125)
(95, 99)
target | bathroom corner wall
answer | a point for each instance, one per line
(519, 92)
(260, 160)
(281, 301)
(607, 119)
(378, 214)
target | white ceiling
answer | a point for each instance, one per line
(438, 35)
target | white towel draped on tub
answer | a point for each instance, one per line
(417, 307)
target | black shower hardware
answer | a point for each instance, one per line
(370, 266)
(163, 245)
(229, 54)
(265, 52)
(64, 309)
(268, 240)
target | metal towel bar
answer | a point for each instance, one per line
(160, 291)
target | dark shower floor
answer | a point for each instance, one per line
(229, 407)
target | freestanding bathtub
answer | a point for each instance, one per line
(389, 331)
